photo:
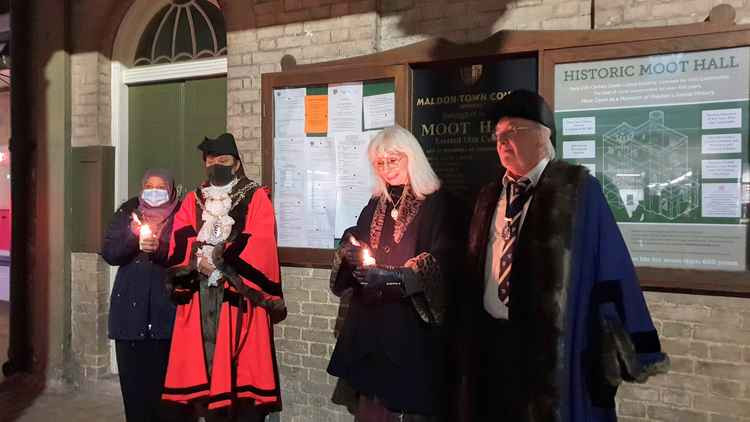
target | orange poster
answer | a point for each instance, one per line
(316, 114)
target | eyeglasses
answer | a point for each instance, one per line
(508, 134)
(391, 161)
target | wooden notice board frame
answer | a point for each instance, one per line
(718, 31)
(310, 257)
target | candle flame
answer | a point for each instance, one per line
(145, 231)
(367, 258)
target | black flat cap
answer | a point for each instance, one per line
(526, 105)
(223, 144)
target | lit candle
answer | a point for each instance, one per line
(145, 231)
(367, 258)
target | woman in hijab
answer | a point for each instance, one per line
(397, 263)
(141, 313)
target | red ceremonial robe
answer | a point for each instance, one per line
(257, 262)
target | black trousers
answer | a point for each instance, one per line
(370, 409)
(498, 381)
(142, 365)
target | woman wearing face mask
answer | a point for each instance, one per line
(224, 266)
(390, 349)
(141, 313)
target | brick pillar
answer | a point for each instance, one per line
(90, 308)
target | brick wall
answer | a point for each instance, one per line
(708, 337)
(640, 13)
(90, 125)
(332, 30)
(89, 311)
(709, 382)
(708, 340)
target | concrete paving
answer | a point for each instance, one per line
(25, 399)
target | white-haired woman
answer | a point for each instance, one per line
(390, 349)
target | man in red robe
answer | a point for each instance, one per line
(224, 270)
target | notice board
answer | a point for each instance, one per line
(321, 178)
(664, 126)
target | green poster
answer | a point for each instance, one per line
(667, 137)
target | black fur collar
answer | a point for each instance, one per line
(539, 285)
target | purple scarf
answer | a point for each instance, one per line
(155, 217)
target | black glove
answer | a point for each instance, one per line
(381, 283)
(353, 255)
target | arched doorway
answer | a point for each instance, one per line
(168, 91)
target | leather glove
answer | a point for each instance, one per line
(379, 276)
(353, 255)
(381, 283)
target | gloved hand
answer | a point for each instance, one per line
(353, 255)
(380, 283)
(378, 276)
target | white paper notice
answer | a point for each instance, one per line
(289, 112)
(321, 191)
(579, 126)
(354, 180)
(379, 110)
(579, 149)
(722, 119)
(345, 108)
(290, 160)
(721, 169)
(723, 143)
(720, 200)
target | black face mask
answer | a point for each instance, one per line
(219, 175)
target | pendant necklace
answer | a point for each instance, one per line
(394, 211)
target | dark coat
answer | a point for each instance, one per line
(578, 323)
(139, 296)
(393, 349)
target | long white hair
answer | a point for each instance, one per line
(422, 179)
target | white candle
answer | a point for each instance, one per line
(145, 231)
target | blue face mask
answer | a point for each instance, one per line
(155, 197)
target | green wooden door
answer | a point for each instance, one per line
(167, 121)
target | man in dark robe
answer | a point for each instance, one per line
(554, 311)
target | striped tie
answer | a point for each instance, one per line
(517, 193)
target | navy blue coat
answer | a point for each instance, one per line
(578, 325)
(139, 296)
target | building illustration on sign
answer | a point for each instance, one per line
(648, 168)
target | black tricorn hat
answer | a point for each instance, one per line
(223, 144)
(526, 105)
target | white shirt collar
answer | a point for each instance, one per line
(533, 175)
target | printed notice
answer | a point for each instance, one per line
(290, 160)
(721, 169)
(724, 143)
(579, 149)
(379, 111)
(316, 114)
(289, 112)
(321, 191)
(721, 200)
(579, 126)
(722, 119)
(345, 108)
(354, 180)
